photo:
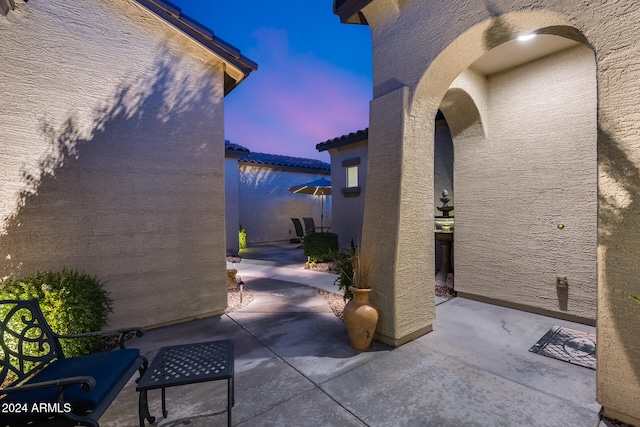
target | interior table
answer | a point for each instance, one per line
(187, 364)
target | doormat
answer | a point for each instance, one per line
(568, 345)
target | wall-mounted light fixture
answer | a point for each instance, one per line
(561, 281)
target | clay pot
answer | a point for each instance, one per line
(360, 318)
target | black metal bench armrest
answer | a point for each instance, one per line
(86, 383)
(122, 333)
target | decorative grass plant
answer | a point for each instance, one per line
(353, 270)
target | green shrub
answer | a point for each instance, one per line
(321, 247)
(71, 302)
(242, 238)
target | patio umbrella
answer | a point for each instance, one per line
(319, 187)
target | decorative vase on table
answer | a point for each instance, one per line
(360, 319)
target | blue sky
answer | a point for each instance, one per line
(313, 81)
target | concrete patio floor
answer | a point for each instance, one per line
(294, 367)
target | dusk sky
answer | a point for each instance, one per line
(313, 81)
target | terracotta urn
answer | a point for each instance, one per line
(360, 318)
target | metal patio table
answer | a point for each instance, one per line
(187, 364)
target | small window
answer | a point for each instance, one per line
(352, 176)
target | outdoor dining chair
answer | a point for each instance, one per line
(298, 226)
(309, 225)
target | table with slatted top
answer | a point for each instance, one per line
(187, 364)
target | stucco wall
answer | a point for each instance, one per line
(266, 206)
(535, 168)
(232, 202)
(112, 151)
(395, 234)
(348, 210)
(419, 48)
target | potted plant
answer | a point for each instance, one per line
(360, 316)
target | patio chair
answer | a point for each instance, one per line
(299, 231)
(309, 225)
(75, 390)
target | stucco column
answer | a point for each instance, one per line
(618, 322)
(398, 219)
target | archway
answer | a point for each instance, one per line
(407, 116)
(411, 93)
(526, 177)
(443, 181)
(459, 120)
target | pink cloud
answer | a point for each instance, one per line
(289, 112)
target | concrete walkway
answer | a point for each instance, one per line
(284, 261)
(294, 367)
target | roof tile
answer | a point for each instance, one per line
(232, 148)
(341, 141)
(286, 162)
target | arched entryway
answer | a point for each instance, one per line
(395, 232)
(443, 181)
(524, 134)
(419, 50)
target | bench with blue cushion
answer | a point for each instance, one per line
(48, 388)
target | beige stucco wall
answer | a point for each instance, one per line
(348, 211)
(394, 230)
(232, 203)
(266, 206)
(418, 50)
(112, 151)
(534, 169)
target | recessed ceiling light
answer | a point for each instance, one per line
(526, 37)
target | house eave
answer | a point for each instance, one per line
(350, 11)
(342, 141)
(235, 150)
(284, 168)
(237, 66)
(229, 152)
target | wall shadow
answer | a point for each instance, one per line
(619, 216)
(125, 196)
(499, 31)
